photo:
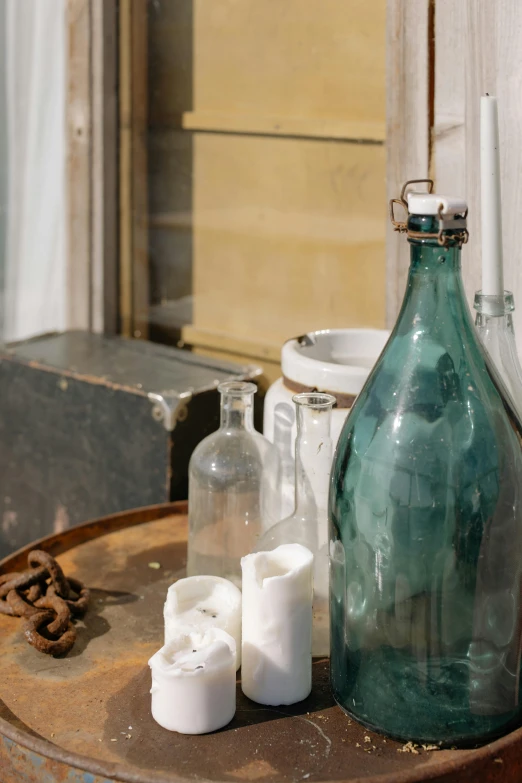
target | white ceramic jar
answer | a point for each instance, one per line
(336, 361)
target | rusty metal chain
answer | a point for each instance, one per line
(47, 600)
(61, 585)
(59, 646)
(21, 581)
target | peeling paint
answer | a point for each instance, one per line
(9, 524)
(61, 519)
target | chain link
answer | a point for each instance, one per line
(47, 600)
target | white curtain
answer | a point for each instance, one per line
(35, 88)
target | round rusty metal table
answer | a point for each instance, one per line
(87, 717)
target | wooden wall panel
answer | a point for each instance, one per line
(133, 179)
(449, 116)
(266, 217)
(291, 59)
(288, 235)
(271, 67)
(79, 164)
(407, 124)
(477, 50)
(492, 35)
(104, 78)
(92, 165)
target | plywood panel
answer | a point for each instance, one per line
(270, 60)
(280, 220)
(288, 235)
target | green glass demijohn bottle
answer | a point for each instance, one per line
(426, 517)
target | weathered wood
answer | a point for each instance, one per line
(79, 165)
(133, 111)
(477, 50)
(408, 123)
(493, 33)
(92, 165)
(448, 136)
(103, 443)
(104, 166)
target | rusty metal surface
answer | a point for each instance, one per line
(44, 597)
(91, 723)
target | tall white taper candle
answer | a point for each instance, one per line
(492, 270)
(277, 625)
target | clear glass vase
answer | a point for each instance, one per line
(230, 500)
(426, 523)
(282, 471)
(308, 525)
(494, 323)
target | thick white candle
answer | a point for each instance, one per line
(277, 625)
(203, 602)
(492, 270)
(194, 682)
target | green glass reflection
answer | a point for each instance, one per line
(426, 529)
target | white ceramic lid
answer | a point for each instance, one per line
(429, 204)
(334, 360)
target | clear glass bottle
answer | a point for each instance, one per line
(426, 520)
(281, 468)
(308, 525)
(494, 323)
(228, 493)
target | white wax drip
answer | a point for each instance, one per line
(194, 682)
(277, 625)
(201, 603)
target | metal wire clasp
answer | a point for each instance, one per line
(453, 222)
(456, 223)
(402, 226)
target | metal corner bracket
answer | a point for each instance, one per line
(170, 407)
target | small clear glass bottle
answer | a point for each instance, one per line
(494, 323)
(281, 465)
(228, 493)
(308, 525)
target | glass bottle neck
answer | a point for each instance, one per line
(313, 460)
(237, 412)
(502, 323)
(494, 324)
(428, 256)
(435, 292)
(494, 313)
